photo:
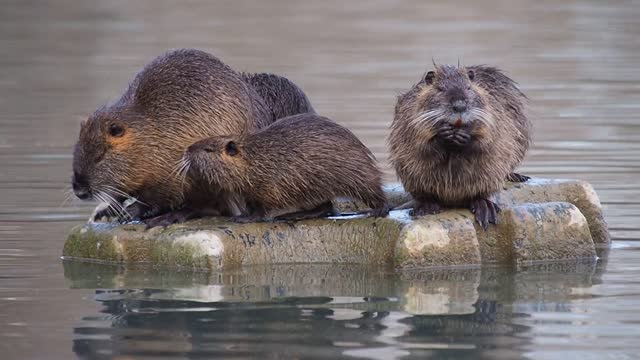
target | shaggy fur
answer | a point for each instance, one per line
(299, 162)
(282, 96)
(454, 157)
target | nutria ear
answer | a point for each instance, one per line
(231, 148)
(471, 74)
(429, 77)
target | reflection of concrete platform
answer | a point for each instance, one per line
(541, 220)
(347, 287)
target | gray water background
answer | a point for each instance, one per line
(576, 60)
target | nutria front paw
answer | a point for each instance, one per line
(519, 178)
(454, 136)
(486, 212)
(104, 213)
(429, 207)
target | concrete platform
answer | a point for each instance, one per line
(542, 220)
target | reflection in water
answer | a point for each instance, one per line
(321, 310)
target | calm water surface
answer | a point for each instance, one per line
(577, 61)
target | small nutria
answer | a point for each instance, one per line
(129, 149)
(299, 163)
(282, 96)
(457, 136)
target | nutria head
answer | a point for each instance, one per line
(452, 106)
(118, 153)
(219, 159)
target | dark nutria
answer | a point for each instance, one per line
(282, 96)
(130, 149)
(457, 136)
(301, 162)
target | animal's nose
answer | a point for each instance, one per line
(459, 106)
(80, 186)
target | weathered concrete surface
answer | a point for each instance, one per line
(576, 192)
(531, 228)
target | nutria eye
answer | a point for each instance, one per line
(471, 74)
(231, 148)
(116, 130)
(429, 77)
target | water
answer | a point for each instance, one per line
(577, 61)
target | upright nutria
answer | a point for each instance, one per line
(457, 135)
(301, 162)
(130, 149)
(282, 96)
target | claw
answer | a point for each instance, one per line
(485, 211)
(515, 177)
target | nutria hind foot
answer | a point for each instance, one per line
(518, 178)
(380, 212)
(423, 207)
(320, 211)
(172, 217)
(485, 211)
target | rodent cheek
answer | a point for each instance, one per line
(123, 143)
(426, 132)
(480, 132)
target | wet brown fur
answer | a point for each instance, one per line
(179, 98)
(299, 162)
(282, 96)
(454, 178)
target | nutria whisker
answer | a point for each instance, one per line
(111, 204)
(110, 209)
(427, 117)
(482, 116)
(123, 194)
(68, 195)
(114, 204)
(181, 171)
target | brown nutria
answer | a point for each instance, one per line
(301, 162)
(282, 96)
(129, 149)
(457, 135)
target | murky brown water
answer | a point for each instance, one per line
(577, 61)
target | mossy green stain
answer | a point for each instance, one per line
(83, 242)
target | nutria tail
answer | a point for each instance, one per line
(282, 96)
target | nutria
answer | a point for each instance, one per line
(282, 96)
(129, 149)
(457, 135)
(301, 162)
